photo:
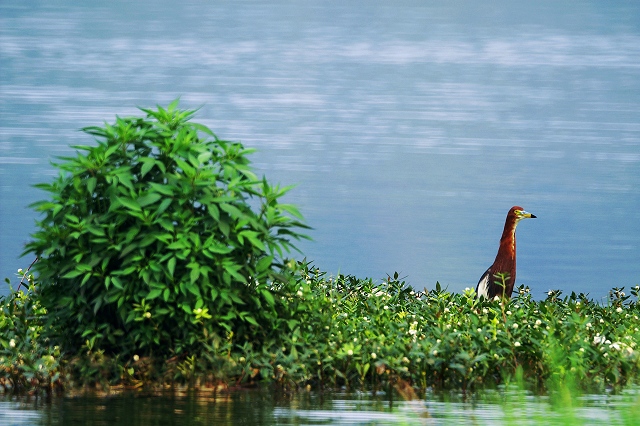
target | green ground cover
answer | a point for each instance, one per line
(353, 333)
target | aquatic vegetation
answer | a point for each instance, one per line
(27, 360)
(344, 332)
(366, 335)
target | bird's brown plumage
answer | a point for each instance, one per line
(503, 269)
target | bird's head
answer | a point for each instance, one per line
(517, 213)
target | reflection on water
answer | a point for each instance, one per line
(262, 407)
(411, 129)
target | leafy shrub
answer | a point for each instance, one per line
(159, 238)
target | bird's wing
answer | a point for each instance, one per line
(484, 286)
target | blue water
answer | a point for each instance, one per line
(410, 128)
(259, 407)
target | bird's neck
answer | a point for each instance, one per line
(507, 248)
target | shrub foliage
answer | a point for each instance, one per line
(159, 237)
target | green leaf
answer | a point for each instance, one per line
(204, 157)
(154, 293)
(213, 211)
(233, 211)
(147, 165)
(117, 283)
(129, 203)
(95, 230)
(176, 245)
(251, 320)
(91, 184)
(73, 274)
(268, 297)
(252, 236)
(193, 289)
(163, 206)
(148, 199)
(195, 273)
(163, 189)
(264, 264)
(203, 128)
(171, 266)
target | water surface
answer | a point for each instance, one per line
(262, 407)
(410, 128)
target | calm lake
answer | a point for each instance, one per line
(254, 407)
(410, 128)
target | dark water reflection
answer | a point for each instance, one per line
(410, 128)
(262, 407)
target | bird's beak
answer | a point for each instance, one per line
(524, 215)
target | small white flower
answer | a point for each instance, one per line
(601, 321)
(588, 325)
(538, 322)
(413, 332)
(496, 298)
(12, 343)
(515, 325)
(300, 293)
(136, 358)
(446, 310)
(385, 307)
(479, 330)
(619, 309)
(581, 349)
(373, 355)
(147, 314)
(350, 352)
(435, 353)
(405, 360)
(485, 310)
(516, 344)
(508, 312)
(598, 339)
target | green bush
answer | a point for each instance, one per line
(159, 238)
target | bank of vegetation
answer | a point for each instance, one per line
(162, 262)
